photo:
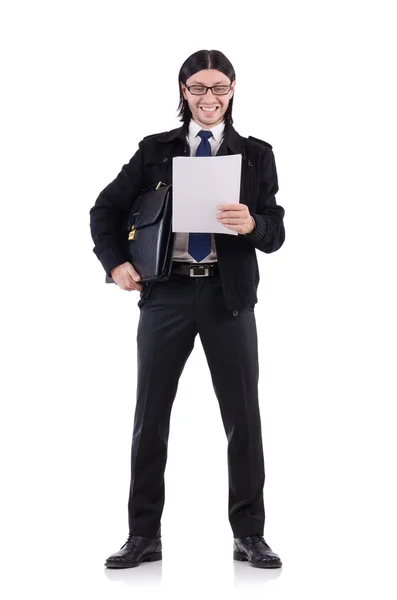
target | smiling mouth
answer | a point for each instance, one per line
(209, 110)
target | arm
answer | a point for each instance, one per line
(112, 204)
(268, 234)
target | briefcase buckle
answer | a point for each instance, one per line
(197, 271)
(132, 234)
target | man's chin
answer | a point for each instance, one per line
(210, 121)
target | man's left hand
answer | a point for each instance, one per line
(237, 217)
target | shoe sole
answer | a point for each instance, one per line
(242, 557)
(149, 558)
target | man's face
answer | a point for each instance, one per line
(198, 104)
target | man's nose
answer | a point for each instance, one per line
(209, 96)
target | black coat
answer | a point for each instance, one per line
(152, 162)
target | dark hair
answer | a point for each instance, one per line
(200, 60)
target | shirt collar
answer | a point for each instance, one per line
(232, 139)
(217, 131)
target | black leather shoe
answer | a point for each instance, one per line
(137, 549)
(254, 549)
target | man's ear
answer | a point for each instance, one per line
(183, 88)
(233, 86)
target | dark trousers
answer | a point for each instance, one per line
(171, 315)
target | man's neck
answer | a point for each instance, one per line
(207, 126)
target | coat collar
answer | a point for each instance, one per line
(232, 139)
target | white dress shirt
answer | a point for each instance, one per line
(182, 239)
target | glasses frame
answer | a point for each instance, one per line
(208, 88)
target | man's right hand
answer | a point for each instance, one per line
(126, 277)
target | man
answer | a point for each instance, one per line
(211, 291)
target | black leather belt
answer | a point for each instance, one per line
(195, 269)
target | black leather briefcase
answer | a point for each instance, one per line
(149, 239)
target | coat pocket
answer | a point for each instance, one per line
(157, 169)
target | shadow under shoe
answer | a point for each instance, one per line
(256, 551)
(137, 549)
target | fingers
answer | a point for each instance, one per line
(131, 271)
(234, 213)
(130, 287)
(127, 278)
(235, 206)
(130, 284)
(235, 220)
(132, 278)
(237, 217)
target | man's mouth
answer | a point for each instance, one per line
(209, 109)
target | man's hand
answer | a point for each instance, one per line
(126, 277)
(237, 217)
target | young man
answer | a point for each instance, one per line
(212, 290)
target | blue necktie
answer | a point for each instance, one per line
(200, 243)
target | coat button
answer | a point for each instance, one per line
(165, 159)
(235, 313)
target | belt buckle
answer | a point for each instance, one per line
(194, 269)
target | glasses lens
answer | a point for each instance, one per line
(220, 89)
(197, 89)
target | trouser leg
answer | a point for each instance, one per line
(165, 339)
(230, 344)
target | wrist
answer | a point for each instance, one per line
(253, 225)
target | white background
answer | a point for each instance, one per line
(83, 82)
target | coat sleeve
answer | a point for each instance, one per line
(111, 206)
(269, 233)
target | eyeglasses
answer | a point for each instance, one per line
(217, 90)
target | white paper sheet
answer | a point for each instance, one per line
(199, 184)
